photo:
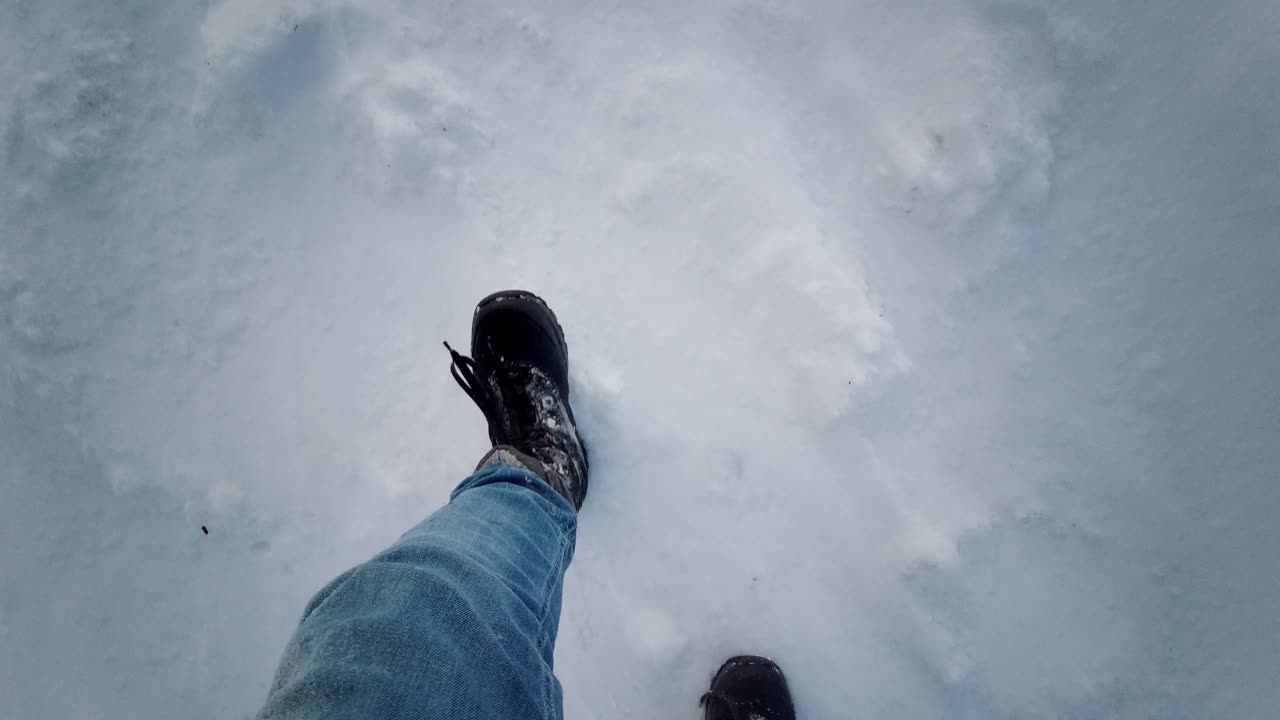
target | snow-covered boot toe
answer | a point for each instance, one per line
(748, 688)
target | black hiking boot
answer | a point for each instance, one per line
(748, 688)
(519, 378)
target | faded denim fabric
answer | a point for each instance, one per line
(455, 621)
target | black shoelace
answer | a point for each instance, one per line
(476, 382)
(467, 374)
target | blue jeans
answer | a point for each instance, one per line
(455, 621)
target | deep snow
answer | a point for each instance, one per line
(928, 347)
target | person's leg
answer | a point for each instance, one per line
(457, 620)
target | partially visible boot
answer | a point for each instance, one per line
(748, 688)
(518, 375)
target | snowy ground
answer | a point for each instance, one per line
(926, 346)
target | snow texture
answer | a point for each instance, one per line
(926, 346)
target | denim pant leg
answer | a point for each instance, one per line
(455, 621)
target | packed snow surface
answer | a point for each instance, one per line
(927, 346)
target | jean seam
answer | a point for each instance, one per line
(544, 600)
(566, 525)
(548, 698)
